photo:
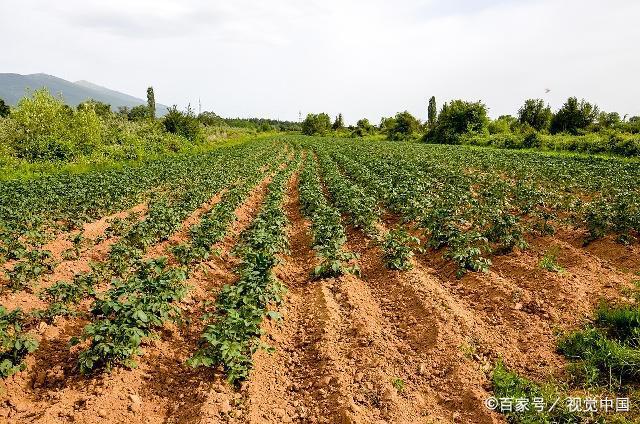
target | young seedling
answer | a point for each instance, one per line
(399, 384)
(550, 260)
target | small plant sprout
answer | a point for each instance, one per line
(550, 260)
(399, 384)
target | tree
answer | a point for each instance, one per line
(456, 119)
(151, 103)
(535, 114)
(101, 109)
(363, 128)
(504, 124)
(386, 124)
(138, 113)
(405, 127)
(609, 120)
(4, 109)
(632, 125)
(338, 124)
(185, 124)
(124, 111)
(316, 124)
(210, 119)
(574, 116)
(432, 113)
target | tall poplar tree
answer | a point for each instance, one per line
(151, 102)
(432, 112)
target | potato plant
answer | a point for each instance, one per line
(14, 343)
(233, 334)
(474, 203)
(130, 311)
(361, 208)
(329, 234)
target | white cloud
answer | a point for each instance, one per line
(361, 58)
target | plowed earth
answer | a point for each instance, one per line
(385, 346)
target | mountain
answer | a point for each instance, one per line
(14, 86)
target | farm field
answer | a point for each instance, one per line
(310, 279)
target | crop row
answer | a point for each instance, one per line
(133, 308)
(362, 207)
(233, 335)
(329, 235)
(349, 198)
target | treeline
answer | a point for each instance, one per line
(210, 119)
(577, 126)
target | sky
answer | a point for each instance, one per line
(361, 58)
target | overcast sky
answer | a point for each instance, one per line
(364, 58)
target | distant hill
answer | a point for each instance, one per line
(14, 86)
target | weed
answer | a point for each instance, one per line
(550, 260)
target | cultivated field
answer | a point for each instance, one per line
(305, 279)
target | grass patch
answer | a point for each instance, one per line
(606, 353)
(540, 398)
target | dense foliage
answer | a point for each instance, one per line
(42, 128)
(456, 119)
(403, 127)
(535, 114)
(185, 124)
(316, 124)
(573, 116)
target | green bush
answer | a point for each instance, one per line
(316, 124)
(42, 128)
(504, 124)
(85, 130)
(404, 127)
(457, 119)
(363, 128)
(606, 142)
(185, 124)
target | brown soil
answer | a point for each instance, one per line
(386, 346)
(64, 270)
(163, 248)
(343, 343)
(162, 388)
